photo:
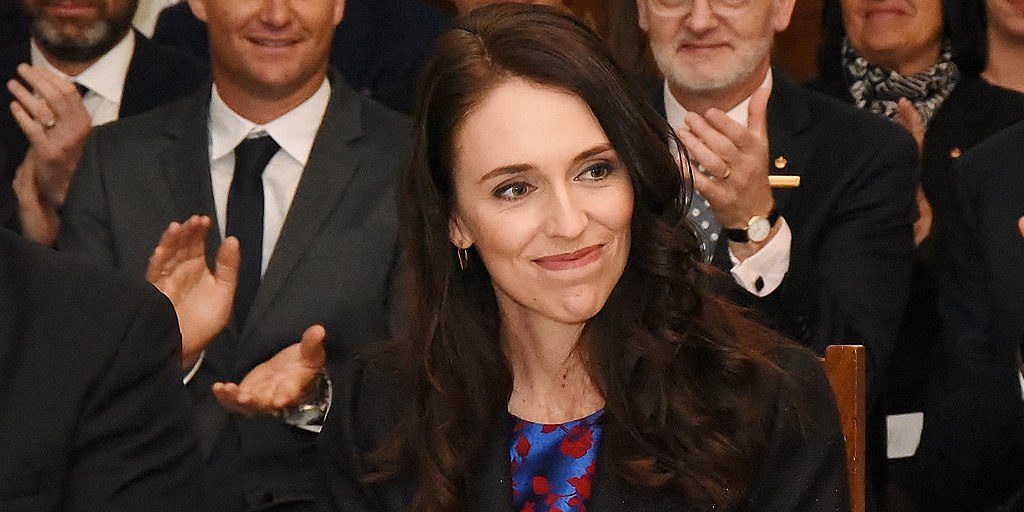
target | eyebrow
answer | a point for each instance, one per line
(506, 170)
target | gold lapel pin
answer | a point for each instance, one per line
(955, 153)
(783, 181)
(780, 162)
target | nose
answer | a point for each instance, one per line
(701, 17)
(275, 12)
(567, 217)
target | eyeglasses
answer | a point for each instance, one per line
(681, 7)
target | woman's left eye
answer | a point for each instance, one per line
(596, 172)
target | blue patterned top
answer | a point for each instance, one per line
(553, 465)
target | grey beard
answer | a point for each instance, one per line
(96, 40)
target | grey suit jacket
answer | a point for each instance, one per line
(333, 262)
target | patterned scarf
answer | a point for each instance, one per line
(879, 89)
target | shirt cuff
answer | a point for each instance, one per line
(195, 368)
(762, 272)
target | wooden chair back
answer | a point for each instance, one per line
(846, 367)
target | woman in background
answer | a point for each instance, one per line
(561, 354)
(930, 53)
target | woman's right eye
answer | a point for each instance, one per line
(513, 191)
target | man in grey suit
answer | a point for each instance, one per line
(287, 176)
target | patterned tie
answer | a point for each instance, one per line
(707, 225)
(245, 217)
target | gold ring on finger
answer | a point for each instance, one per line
(49, 123)
(726, 175)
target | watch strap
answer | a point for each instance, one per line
(740, 235)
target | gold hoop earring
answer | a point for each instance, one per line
(463, 255)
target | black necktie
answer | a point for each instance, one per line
(245, 217)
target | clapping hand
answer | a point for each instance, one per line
(910, 119)
(281, 382)
(55, 122)
(202, 299)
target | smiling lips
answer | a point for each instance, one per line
(571, 260)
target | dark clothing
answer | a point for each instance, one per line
(93, 415)
(380, 46)
(156, 75)
(804, 466)
(851, 220)
(332, 264)
(972, 447)
(974, 111)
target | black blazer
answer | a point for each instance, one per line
(156, 75)
(972, 447)
(380, 46)
(332, 264)
(851, 220)
(974, 111)
(804, 467)
(93, 415)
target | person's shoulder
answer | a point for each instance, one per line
(1005, 147)
(129, 130)
(45, 271)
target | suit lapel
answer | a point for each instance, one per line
(331, 166)
(489, 483)
(788, 116)
(612, 493)
(185, 166)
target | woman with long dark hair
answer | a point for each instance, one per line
(561, 354)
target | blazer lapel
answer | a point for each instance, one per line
(185, 166)
(612, 493)
(489, 483)
(788, 116)
(331, 166)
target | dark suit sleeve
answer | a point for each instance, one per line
(136, 446)
(865, 258)
(805, 465)
(85, 219)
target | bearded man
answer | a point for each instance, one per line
(83, 65)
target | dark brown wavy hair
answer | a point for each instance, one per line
(678, 369)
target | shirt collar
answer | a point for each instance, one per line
(106, 76)
(293, 131)
(675, 113)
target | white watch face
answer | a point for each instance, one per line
(758, 229)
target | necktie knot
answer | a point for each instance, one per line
(252, 155)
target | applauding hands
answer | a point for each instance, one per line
(203, 301)
(50, 113)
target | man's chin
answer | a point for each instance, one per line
(76, 43)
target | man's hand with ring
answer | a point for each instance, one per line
(737, 159)
(51, 114)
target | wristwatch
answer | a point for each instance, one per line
(758, 228)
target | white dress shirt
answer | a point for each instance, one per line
(771, 262)
(104, 78)
(294, 132)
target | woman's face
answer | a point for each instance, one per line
(544, 199)
(903, 35)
